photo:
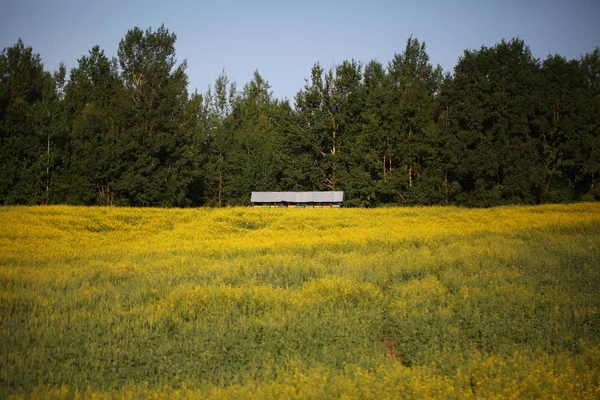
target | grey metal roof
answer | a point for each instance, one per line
(297, 197)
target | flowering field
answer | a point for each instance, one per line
(302, 303)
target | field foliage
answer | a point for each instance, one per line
(235, 303)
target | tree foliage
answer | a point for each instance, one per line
(28, 97)
(503, 128)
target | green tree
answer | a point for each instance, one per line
(328, 115)
(217, 138)
(257, 155)
(414, 85)
(561, 92)
(347, 99)
(450, 147)
(94, 102)
(373, 144)
(585, 146)
(307, 144)
(492, 101)
(28, 98)
(159, 130)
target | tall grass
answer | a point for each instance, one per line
(307, 303)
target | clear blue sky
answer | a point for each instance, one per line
(283, 39)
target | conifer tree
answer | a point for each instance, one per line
(28, 99)
(156, 143)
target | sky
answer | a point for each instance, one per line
(284, 39)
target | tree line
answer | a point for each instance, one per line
(502, 128)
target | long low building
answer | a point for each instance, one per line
(333, 199)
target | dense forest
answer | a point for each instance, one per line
(502, 128)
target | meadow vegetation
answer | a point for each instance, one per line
(439, 302)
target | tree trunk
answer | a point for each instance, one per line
(105, 195)
(547, 187)
(48, 170)
(333, 143)
(331, 179)
(446, 186)
(220, 189)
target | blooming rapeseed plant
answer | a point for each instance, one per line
(436, 302)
